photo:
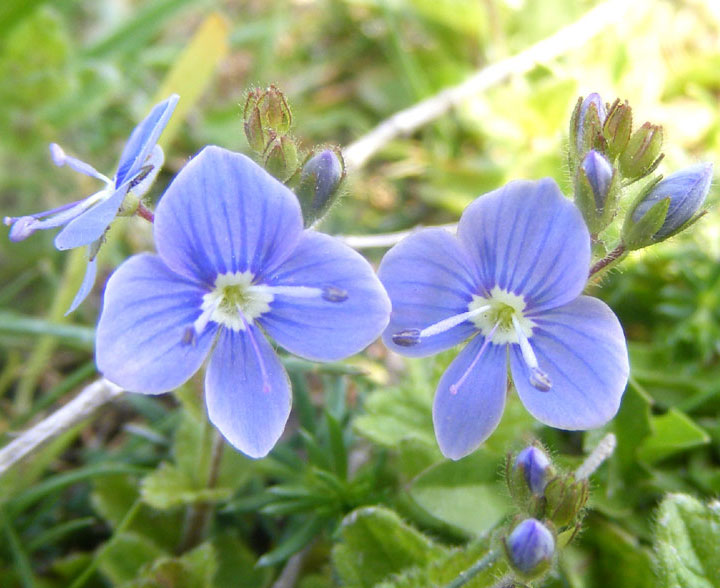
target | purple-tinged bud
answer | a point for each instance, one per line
(407, 338)
(530, 548)
(334, 294)
(535, 467)
(617, 127)
(642, 154)
(685, 193)
(586, 125)
(596, 191)
(319, 185)
(20, 227)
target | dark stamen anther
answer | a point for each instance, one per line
(142, 174)
(407, 338)
(189, 337)
(333, 294)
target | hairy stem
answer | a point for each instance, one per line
(479, 566)
(144, 212)
(610, 259)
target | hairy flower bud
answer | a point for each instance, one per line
(642, 154)
(595, 191)
(281, 157)
(530, 548)
(586, 126)
(266, 115)
(319, 184)
(535, 467)
(617, 127)
(565, 498)
(680, 195)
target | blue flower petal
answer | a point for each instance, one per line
(90, 225)
(428, 278)
(250, 417)
(464, 419)
(316, 328)
(86, 286)
(581, 347)
(141, 342)
(143, 139)
(528, 239)
(224, 213)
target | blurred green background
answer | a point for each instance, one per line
(83, 73)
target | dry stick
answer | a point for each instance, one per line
(73, 413)
(356, 155)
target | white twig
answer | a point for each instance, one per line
(603, 450)
(73, 413)
(385, 239)
(411, 119)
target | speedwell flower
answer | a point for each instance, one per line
(87, 220)
(510, 282)
(234, 261)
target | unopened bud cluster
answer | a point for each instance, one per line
(606, 156)
(316, 178)
(548, 501)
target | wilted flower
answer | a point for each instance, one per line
(530, 548)
(686, 191)
(511, 278)
(86, 220)
(233, 259)
(587, 123)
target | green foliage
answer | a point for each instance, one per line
(686, 546)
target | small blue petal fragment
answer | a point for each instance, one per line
(143, 139)
(428, 278)
(465, 418)
(141, 342)
(91, 224)
(248, 407)
(582, 348)
(86, 286)
(318, 328)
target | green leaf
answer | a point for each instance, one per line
(73, 335)
(169, 486)
(465, 494)
(686, 543)
(673, 432)
(194, 569)
(376, 543)
(236, 565)
(124, 555)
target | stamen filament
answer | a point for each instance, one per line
(453, 321)
(327, 293)
(538, 378)
(456, 386)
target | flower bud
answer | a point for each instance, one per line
(281, 157)
(595, 191)
(681, 195)
(642, 154)
(617, 127)
(586, 125)
(530, 548)
(535, 468)
(319, 184)
(565, 499)
(266, 115)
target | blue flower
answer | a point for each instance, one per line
(234, 263)
(86, 220)
(511, 283)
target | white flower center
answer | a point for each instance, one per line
(503, 310)
(235, 302)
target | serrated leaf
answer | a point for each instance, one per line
(686, 543)
(124, 555)
(194, 569)
(673, 432)
(377, 543)
(465, 494)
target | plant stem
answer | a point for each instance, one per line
(480, 565)
(198, 515)
(146, 213)
(606, 262)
